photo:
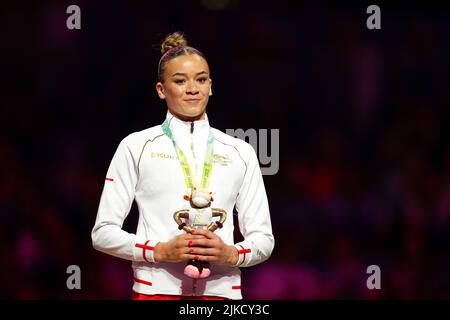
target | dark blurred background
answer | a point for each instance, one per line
(363, 116)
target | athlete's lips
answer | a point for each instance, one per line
(192, 100)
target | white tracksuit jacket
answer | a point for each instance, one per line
(145, 168)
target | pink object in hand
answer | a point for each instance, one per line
(205, 273)
(192, 272)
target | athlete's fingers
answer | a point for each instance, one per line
(186, 240)
(204, 251)
(201, 258)
(189, 236)
(206, 233)
(206, 243)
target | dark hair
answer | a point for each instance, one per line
(174, 45)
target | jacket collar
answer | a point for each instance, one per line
(180, 127)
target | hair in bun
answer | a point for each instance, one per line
(173, 40)
(174, 45)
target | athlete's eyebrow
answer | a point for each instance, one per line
(184, 74)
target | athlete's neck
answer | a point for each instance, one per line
(188, 119)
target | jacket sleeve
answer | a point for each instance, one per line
(115, 204)
(253, 216)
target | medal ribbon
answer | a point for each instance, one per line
(207, 165)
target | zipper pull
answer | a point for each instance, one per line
(192, 127)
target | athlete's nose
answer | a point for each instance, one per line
(191, 88)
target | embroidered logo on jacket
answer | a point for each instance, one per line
(162, 155)
(223, 160)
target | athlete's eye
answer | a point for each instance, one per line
(202, 80)
(179, 81)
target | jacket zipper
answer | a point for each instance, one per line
(192, 148)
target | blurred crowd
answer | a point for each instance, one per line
(364, 173)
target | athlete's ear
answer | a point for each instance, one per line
(210, 87)
(160, 90)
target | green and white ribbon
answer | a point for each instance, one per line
(207, 165)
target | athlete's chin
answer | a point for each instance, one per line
(194, 112)
(189, 114)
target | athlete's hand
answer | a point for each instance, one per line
(211, 248)
(176, 250)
